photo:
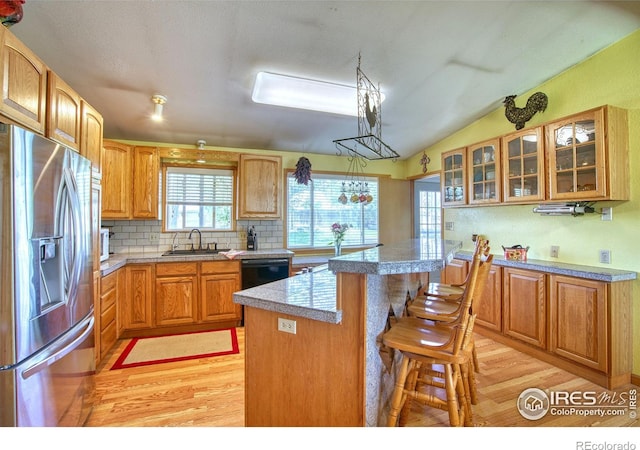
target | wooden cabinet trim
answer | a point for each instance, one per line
(185, 268)
(212, 267)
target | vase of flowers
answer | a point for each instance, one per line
(339, 230)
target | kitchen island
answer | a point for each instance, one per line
(312, 342)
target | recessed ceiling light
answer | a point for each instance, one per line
(304, 93)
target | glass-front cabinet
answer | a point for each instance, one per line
(523, 166)
(453, 178)
(576, 157)
(484, 180)
(588, 156)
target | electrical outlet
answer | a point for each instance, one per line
(448, 226)
(605, 256)
(554, 251)
(286, 325)
(153, 237)
(607, 214)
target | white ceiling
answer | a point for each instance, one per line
(441, 64)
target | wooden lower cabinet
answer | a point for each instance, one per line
(136, 311)
(176, 293)
(524, 306)
(580, 325)
(178, 297)
(584, 302)
(106, 312)
(218, 282)
(455, 272)
(489, 308)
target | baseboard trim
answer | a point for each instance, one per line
(635, 379)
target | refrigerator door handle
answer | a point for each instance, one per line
(73, 278)
(62, 350)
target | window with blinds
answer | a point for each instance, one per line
(198, 198)
(313, 208)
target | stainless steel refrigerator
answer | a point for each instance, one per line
(47, 362)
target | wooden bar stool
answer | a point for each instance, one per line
(428, 302)
(446, 312)
(454, 291)
(424, 344)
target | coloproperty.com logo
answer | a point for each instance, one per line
(534, 403)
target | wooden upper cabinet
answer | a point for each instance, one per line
(24, 83)
(484, 172)
(453, 177)
(260, 187)
(91, 130)
(523, 166)
(145, 183)
(116, 180)
(588, 156)
(63, 112)
(129, 181)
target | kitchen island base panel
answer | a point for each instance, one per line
(326, 374)
(311, 378)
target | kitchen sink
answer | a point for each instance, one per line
(203, 251)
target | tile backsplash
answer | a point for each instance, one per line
(146, 236)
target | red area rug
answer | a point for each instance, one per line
(178, 347)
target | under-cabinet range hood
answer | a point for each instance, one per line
(563, 209)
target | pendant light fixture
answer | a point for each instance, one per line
(368, 144)
(159, 101)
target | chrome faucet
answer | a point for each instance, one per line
(173, 244)
(199, 239)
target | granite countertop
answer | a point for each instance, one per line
(311, 295)
(120, 259)
(558, 268)
(412, 256)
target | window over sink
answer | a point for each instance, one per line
(198, 198)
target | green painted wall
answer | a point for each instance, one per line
(612, 77)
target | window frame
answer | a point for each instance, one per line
(163, 199)
(339, 176)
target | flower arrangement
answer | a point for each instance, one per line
(339, 230)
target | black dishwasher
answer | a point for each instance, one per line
(260, 271)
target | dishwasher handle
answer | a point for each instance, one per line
(265, 262)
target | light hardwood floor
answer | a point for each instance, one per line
(209, 392)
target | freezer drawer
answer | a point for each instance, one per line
(56, 386)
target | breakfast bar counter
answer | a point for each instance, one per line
(312, 348)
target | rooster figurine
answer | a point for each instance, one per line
(371, 113)
(537, 102)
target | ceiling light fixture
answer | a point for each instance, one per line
(201, 143)
(159, 101)
(304, 93)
